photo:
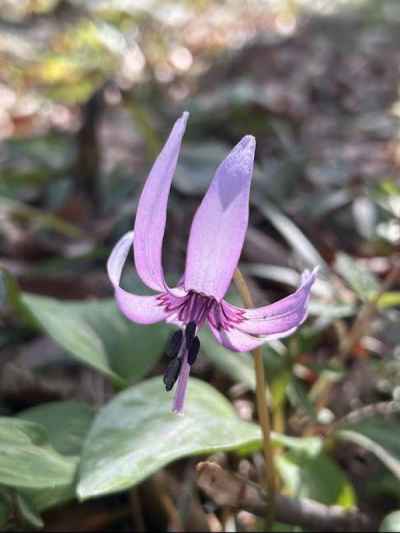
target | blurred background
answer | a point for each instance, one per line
(88, 92)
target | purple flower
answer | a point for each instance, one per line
(215, 243)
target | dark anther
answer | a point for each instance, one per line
(174, 344)
(171, 374)
(193, 351)
(190, 332)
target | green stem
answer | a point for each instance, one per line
(262, 409)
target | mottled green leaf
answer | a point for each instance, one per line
(136, 434)
(97, 334)
(65, 437)
(26, 458)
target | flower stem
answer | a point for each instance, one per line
(262, 408)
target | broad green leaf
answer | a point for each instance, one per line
(391, 523)
(68, 436)
(316, 477)
(43, 499)
(26, 458)
(136, 434)
(378, 434)
(360, 279)
(97, 334)
(64, 325)
(132, 349)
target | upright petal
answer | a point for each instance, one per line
(219, 226)
(140, 309)
(151, 214)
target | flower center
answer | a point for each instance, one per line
(190, 311)
(196, 308)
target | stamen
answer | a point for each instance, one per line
(193, 351)
(174, 344)
(190, 333)
(181, 388)
(171, 374)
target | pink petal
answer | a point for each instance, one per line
(220, 224)
(151, 212)
(282, 316)
(267, 323)
(140, 309)
(236, 340)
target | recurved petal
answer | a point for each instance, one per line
(220, 223)
(140, 309)
(267, 323)
(236, 340)
(151, 212)
(282, 317)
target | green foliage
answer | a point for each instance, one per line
(27, 460)
(325, 192)
(379, 436)
(136, 434)
(391, 523)
(98, 335)
(317, 477)
(66, 423)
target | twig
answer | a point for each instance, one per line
(262, 409)
(230, 490)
